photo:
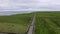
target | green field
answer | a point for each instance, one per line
(47, 23)
(15, 23)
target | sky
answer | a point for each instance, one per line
(29, 5)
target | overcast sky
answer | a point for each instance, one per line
(23, 5)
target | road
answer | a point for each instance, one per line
(30, 31)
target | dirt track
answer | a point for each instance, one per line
(30, 31)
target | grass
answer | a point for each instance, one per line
(15, 23)
(11, 27)
(47, 23)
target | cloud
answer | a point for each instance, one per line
(29, 4)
